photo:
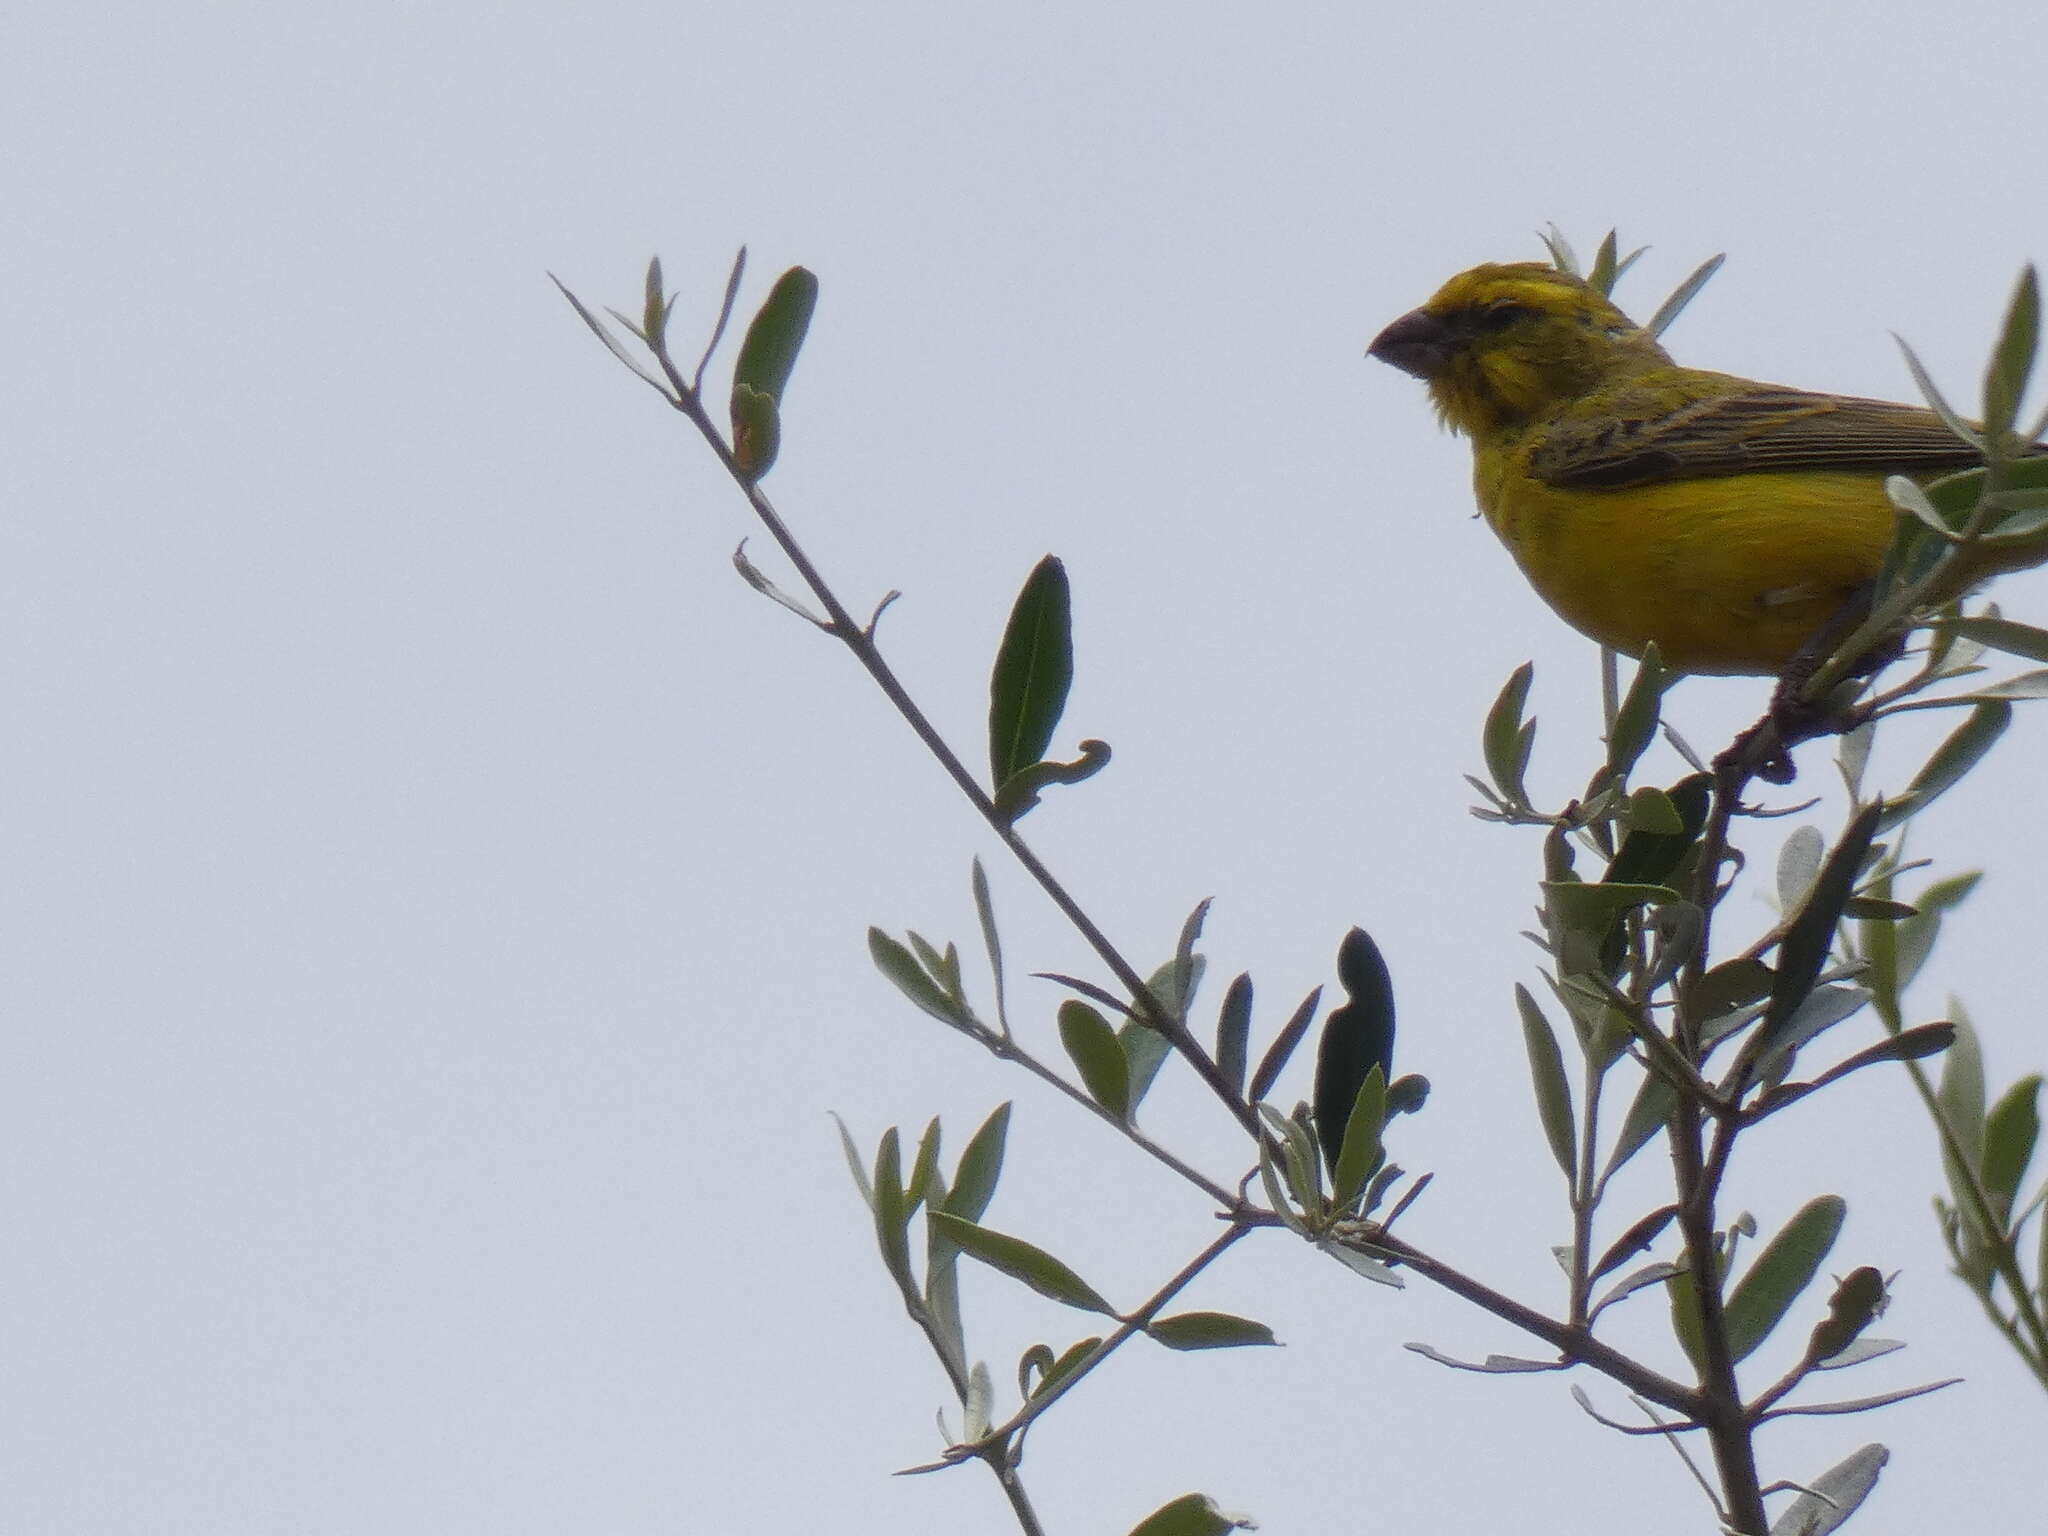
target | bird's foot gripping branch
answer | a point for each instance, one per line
(1671, 1039)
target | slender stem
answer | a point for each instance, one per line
(1573, 1341)
(1005, 1433)
(861, 642)
(1719, 1405)
(1020, 1503)
(1008, 1049)
(2027, 1314)
(1585, 1195)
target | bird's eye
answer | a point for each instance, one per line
(1500, 313)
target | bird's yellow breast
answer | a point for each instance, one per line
(1729, 573)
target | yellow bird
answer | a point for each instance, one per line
(1723, 519)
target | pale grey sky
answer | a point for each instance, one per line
(435, 886)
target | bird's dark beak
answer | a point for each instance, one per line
(1419, 343)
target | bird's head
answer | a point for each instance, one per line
(1505, 344)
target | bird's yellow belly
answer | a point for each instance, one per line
(1725, 574)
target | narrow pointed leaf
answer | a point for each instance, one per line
(1360, 1154)
(1628, 1285)
(1834, 1496)
(2010, 1130)
(1233, 1032)
(1033, 671)
(1685, 293)
(2007, 635)
(1492, 1365)
(892, 1210)
(1804, 949)
(1023, 1261)
(1643, 1232)
(1546, 1075)
(981, 1165)
(1208, 1330)
(985, 911)
(1277, 1054)
(1961, 1097)
(856, 1163)
(1635, 722)
(1145, 1051)
(2012, 360)
(616, 347)
(901, 967)
(1962, 751)
(1648, 1114)
(1093, 1046)
(1500, 739)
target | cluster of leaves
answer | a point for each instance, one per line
(1702, 1049)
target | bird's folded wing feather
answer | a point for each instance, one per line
(1758, 429)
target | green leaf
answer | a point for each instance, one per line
(1192, 1514)
(1502, 738)
(1833, 1496)
(2005, 635)
(1233, 1032)
(1686, 1326)
(1775, 1278)
(1057, 1371)
(1145, 1051)
(2012, 360)
(1635, 1240)
(1587, 907)
(2010, 1130)
(1022, 1261)
(1179, 977)
(943, 968)
(1648, 1114)
(984, 909)
(1961, 1097)
(856, 1163)
(769, 353)
(1033, 671)
(1872, 909)
(1962, 751)
(901, 967)
(924, 1168)
(892, 1210)
(1936, 402)
(1650, 857)
(1635, 722)
(1208, 1330)
(981, 1165)
(1651, 810)
(1357, 1037)
(1546, 1073)
(1916, 935)
(1360, 1155)
(616, 347)
(1908, 497)
(1804, 949)
(1275, 1060)
(1685, 293)
(1799, 860)
(1092, 1044)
